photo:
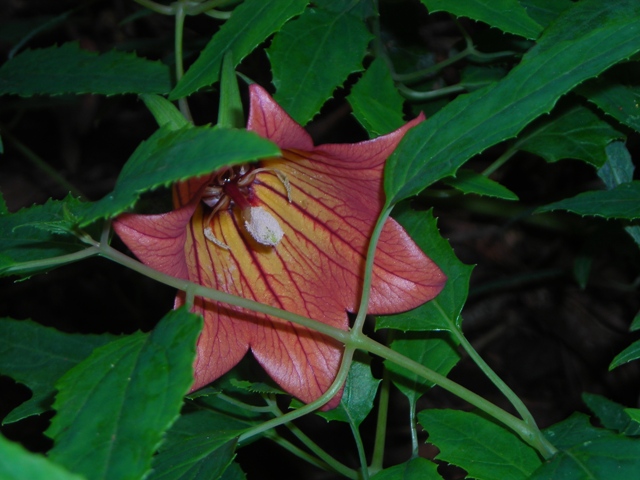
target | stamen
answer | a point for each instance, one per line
(262, 226)
(211, 237)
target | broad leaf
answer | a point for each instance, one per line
(170, 155)
(415, 469)
(375, 101)
(114, 407)
(629, 354)
(507, 15)
(69, 69)
(583, 42)
(251, 23)
(37, 357)
(545, 11)
(589, 452)
(621, 202)
(612, 415)
(484, 449)
(164, 112)
(467, 181)
(310, 58)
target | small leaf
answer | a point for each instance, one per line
(69, 69)
(172, 155)
(612, 415)
(467, 181)
(37, 357)
(415, 469)
(376, 103)
(17, 463)
(114, 407)
(629, 354)
(164, 112)
(621, 202)
(263, 18)
(484, 449)
(589, 452)
(309, 59)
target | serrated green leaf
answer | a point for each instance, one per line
(251, 23)
(39, 233)
(164, 112)
(468, 181)
(621, 202)
(589, 452)
(309, 59)
(612, 415)
(200, 445)
(358, 395)
(507, 15)
(375, 101)
(17, 463)
(577, 133)
(545, 11)
(114, 407)
(37, 356)
(255, 387)
(583, 42)
(484, 449)
(443, 312)
(172, 155)
(69, 69)
(415, 469)
(629, 354)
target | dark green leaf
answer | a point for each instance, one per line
(622, 202)
(629, 354)
(38, 356)
(358, 395)
(39, 233)
(635, 324)
(164, 112)
(545, 11)
(114, 407)
(414, 469)
(577, 133)
(169, 156)
(612, 415)
(589, 452)
(16, 463)
(583, 42)
(375, 101)
(443, 312)
(309, 59)
(251, 23)
(69, 69)
(200, 445)
(467, 181)
(507, 15)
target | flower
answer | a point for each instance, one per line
(291, 232)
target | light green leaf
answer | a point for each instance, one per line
(172, 155)
(375, 101)
(629, 354)
(114, 407)
(507, 15)
(415, 469)
(251, 23)
(69, 69)
(634, 414)
(484, 449)
(309, 59)
(37, 357)
(17, 463)
(583, 42)
(621, 202)
(467, 181)
(164, 112)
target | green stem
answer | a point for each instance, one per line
(301, 453)
(179, 34)
(157, 7)
(418, 96)
(243, 405)
(501, 160)
(53, 262)
(364, 470)
(381, 425)
(413, 428)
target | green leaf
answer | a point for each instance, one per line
(172, 155)
(507, 15)
(612, 415)
(629, 354)
(375, 101)
(3, 205)
(251, 23)
(233, 472)
(38, 233)
(443, 312)
(583, 42)
(415, 469)
(622, 202)
(484, 449)
(576, 133)
(635, 324)
(37, 357)
(545, 11)
(467, 181)
(200, 445)
(358, 394)
(634, 414)
(114, 407)
(309, 59)
(589, 452)
(16, 463)
(69, 69)
(164, 112)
